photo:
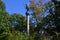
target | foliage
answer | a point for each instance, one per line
(18, 22)
(13, 27)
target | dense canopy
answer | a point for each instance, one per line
(13, 27)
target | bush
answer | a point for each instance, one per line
(14, 36)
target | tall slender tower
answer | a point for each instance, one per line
(27, 18)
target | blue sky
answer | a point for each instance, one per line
(16, 6)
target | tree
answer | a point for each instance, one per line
(5, 25)
(38, 16)
(37, 12)
(53, 22)
(2, 6)
(4, 17)
(18, 22)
